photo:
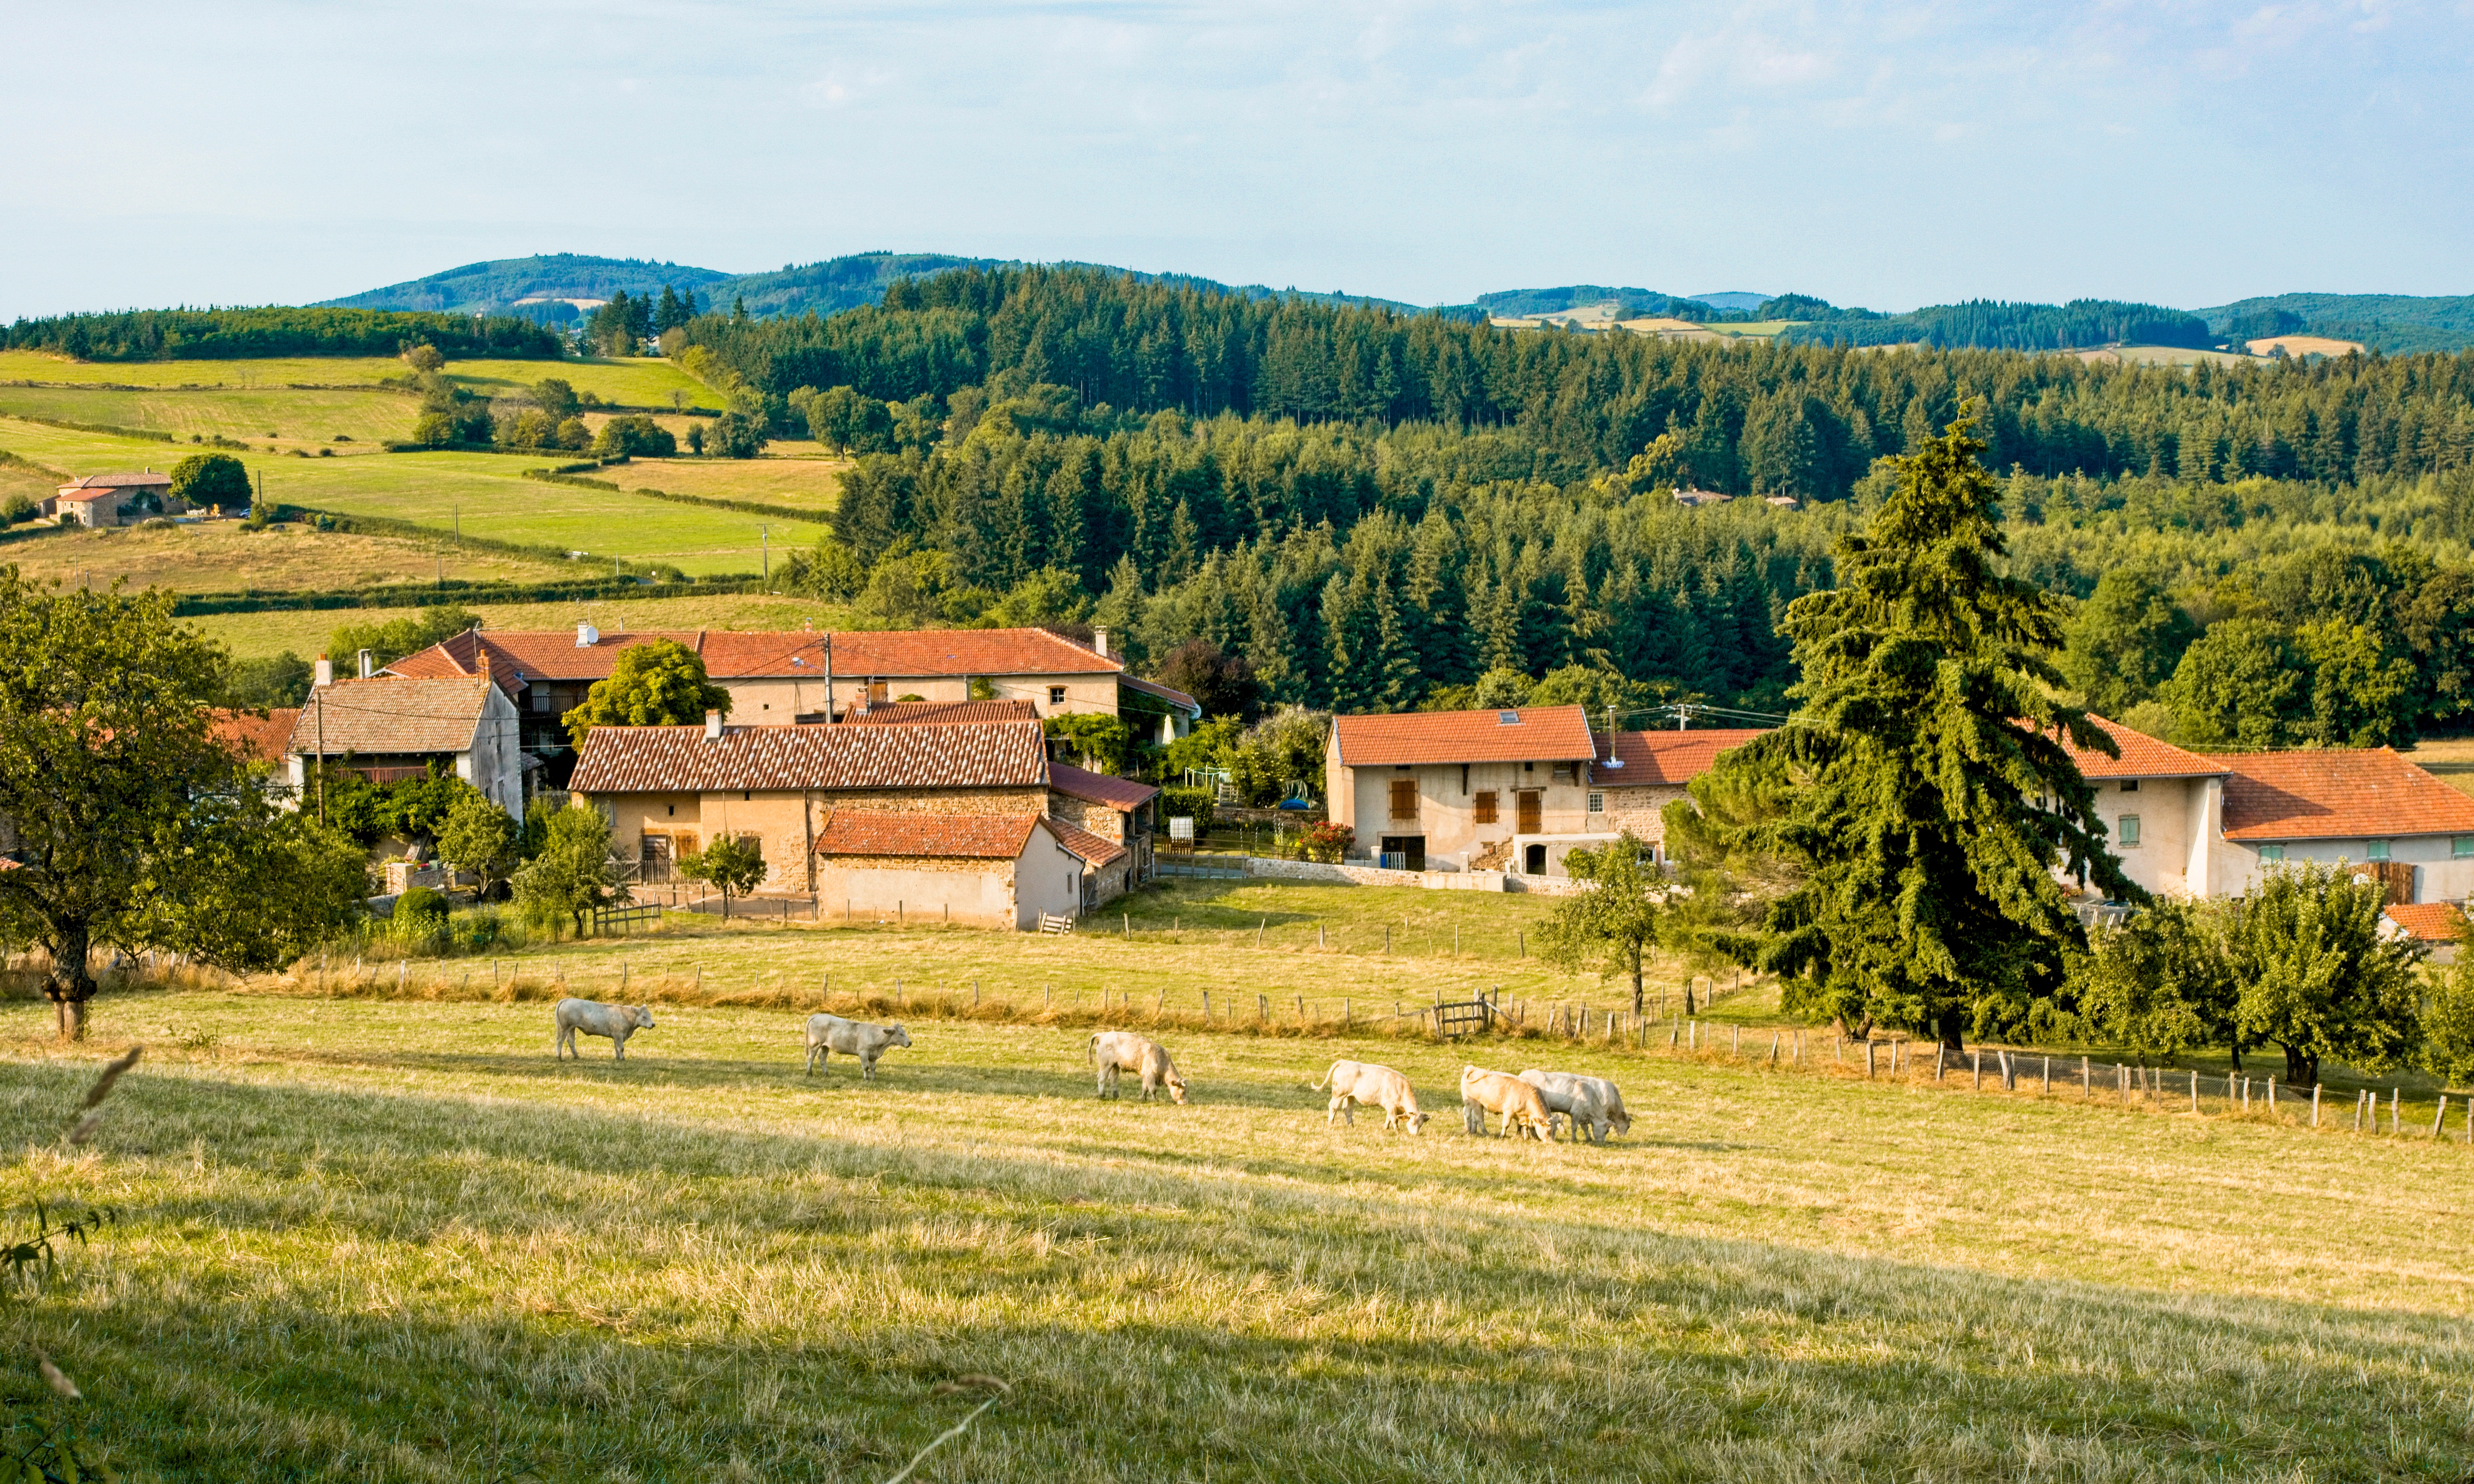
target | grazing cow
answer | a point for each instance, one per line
(829, 1033)
(1123, 1051)
(1592, 1103)
(1352, 1083)
(1515, 1101)
(594, 1018)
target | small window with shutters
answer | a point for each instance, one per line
(1485, 807)
(1404, 799)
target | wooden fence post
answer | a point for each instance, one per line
(2396, 1096)
(2084, 1091)
(1869, 1045)
(1975, 1061)
(1940, 1052)
(2438, 1115)
(1774, 1048)
(1207, 1004)
(2047, 1089)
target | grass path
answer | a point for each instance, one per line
(396, 1241)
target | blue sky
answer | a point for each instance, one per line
(1881, 154)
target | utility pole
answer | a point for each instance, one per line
(765, 539)
(322, 757)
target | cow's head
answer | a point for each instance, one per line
(1417, 1122)
(1175, 1089)
(641, 1016)
(1620, 1121)
(899, 1038)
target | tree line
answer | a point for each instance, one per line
(243, 333)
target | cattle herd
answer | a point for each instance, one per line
(1533, 1103)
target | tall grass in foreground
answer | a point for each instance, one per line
(389, 1240)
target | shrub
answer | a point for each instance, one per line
(635, 435)
(17, 510)
(205, 479)
(421, 909)
(1197, 802)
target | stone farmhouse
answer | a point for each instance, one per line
(807, 677)
(113, 500)
(1639, 773)
(970, 822)
(388, 730)
(1505, 789)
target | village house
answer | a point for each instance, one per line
(1639, 773)
(809, 677)
(841, 814)
(389, 730)
(1506, 789)
(113, 500)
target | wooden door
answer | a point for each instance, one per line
(1530, 816)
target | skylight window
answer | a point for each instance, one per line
(1507, 718)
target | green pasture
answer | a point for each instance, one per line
(388, 1239)
(259, 634)
(647, 383)
(250, 416)
(476, 494)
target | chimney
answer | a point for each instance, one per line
(586, 636)
(484, 655)
(1100, 641)
(712, 726)
(369, 665)
(326, 673)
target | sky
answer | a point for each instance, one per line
(2176, 152)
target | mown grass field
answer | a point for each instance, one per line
(380, 1238)
(258, 635)
(639, 383)
(479, 494)
(220, 556)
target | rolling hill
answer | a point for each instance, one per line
(2391, 323)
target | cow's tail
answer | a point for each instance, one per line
(1326, 1080)
(1093, 1052)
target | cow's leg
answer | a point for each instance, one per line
(1330, 1109)
(866, 1068)
(812, 1059)
(566, 1040)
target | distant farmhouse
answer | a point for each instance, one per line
(113, 500)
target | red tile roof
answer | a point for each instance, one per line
(678, 760)
(1173, 697)
(553, 654)
(390, 715)
(2337, 795)
(149, 479)
(1669, 758)
(257, 739)
(955, 837)
(1122, 795)
(2433, 922)
(1534, 734)
(951, 712)
(1096, 849)
(2142, 757)
(74, 496)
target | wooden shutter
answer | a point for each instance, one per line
(1404, 799)
(1485, 807)
(1531, 818)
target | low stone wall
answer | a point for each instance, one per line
(1431, 880)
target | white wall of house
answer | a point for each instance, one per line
(1447, 798)
(1047, 878)
(976, 893)
(2438, 874)
(2177, 818)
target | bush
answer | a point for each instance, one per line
(1326, 842)
(1197, 802)
(734, 435)
(17, 510)
(421, 909)
(635, 435)
(205, 479)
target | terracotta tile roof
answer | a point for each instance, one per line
(258, 739)
(1096, 849)
(1172, 696)
(383, 715)
(1669, 758)
(1122, 795)
(956, 837)
(2142, 757)
(950, 712)
(86, 496)
(1534, 734)
(678, 760)
(149, 479)
(2433, 922)
(553, 654)
(2337, 795)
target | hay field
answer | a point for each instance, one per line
(259, 634)
(2305, 345)
(288, 418)
(480, 493)
(2449, 759)
(640, 381)
(223, 555)
(382, 1240)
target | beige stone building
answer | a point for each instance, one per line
(1639, 773)
(1002, 871)
(1464, 789)
(389, 730)
(101, 500)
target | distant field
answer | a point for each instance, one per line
(639, 383)
(258, 635)
(221, 556)
(288, 418)
(484, 493)
(2304, 345)
(2449, 759)
(2160, 355)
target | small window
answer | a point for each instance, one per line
(2130, 786)
(1529, 767)
(2377, 850)
(2129, 834)
(1507, 718)
(1485, 814)
(2461, 848)
(1056, 695)
(2270, 854)
(1598, 803)
(1404, 799)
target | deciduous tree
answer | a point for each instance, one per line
(1613, 927)
(658, 683)
(734, 865)
(571, 874)
(2317, 980)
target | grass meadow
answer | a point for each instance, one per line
(370, 1236)
(223, 555)
(259, 634)
(636, 382)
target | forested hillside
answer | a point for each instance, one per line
(2394, 323)
(1982, 324)
(494, 287)
(236, 334)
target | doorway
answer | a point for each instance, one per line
(1403, 852)
(1532, 860)
(1530, 813)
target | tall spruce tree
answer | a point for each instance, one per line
(1935, 795)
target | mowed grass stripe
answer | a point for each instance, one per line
(396, 1241)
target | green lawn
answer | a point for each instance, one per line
(394, 1240)
(254, 635)
(291, 417)
(480, 493)
(634, 382)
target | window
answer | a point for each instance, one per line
(2461, 848)
(1529, 767)
(1565, 774)
(1485, 813)
(1598, 803)
(2130, 786)
(1404, 799)
(2129, 834)
(2377, 850)
(1056, 695)
(1507, 718)
(2269, 854)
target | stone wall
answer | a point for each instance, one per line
(1431, 880)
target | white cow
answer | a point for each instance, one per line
(594, 1018)
(829, 1033)
(1592, 1103)
(1123, 1051)
(1352, 1083)
(1484, 1092)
